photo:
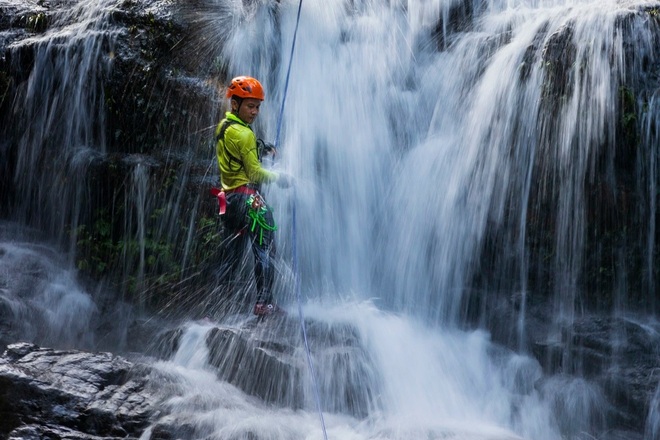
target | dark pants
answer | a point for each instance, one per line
(238, 222)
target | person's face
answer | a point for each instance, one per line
(248, 110)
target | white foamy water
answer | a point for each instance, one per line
(41, 300)
(409, 137)
(434, 385)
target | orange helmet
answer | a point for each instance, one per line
(245, 87)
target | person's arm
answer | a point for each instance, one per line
(253, 169)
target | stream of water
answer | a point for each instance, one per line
(410, 137)
(408, 141)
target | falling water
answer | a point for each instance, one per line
(412, 139)
(408, 156)
(67, 180)
(647, 178)
(61, 108)
(653, 421)
(414, 130)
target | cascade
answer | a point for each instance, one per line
(421, 148)
(60, 109)
(458, 168)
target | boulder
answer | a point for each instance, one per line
(68, 394)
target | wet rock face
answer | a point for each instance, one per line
(619, 357)
(47, 393)
(151, 99)
(266, 360)
(147, 103)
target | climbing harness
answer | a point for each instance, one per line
(257, 210)
(294, 246)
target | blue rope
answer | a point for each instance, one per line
(294, 241)
(288, 74)
(302, 321)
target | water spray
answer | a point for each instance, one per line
(294, 246)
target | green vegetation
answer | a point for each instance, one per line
(153, 257)
(209, 233)
(99, 250)
(124, 257)
(37, 22)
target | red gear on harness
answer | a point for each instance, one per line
(221, 194)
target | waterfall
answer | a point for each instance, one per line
(71, 143)
(416, 145)
(61, 108)
(456, 164)
(443, 151)
(647, 179)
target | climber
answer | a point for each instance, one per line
(246, 213)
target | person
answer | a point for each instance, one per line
(241, 177)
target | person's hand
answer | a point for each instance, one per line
(270, 150)
(266, 150)
(284, 180)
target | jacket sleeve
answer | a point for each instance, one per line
(253, 169)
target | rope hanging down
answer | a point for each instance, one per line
(294, 246)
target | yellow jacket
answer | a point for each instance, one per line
(236, 149)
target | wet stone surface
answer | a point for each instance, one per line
(46, 393)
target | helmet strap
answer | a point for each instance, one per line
(239, 102)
